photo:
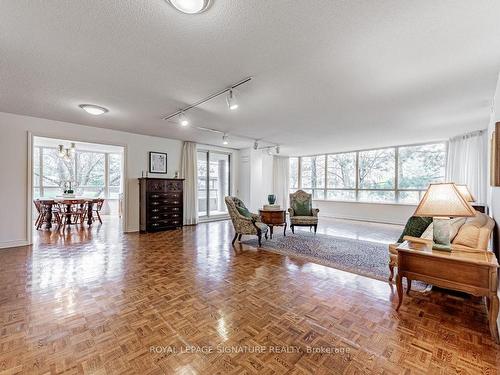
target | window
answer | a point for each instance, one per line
(312, 169)
(421, 165)
(93, 174)
(341, 176)
(393, 174)
(213, 182)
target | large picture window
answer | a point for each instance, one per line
(92, 174)
(392, 174)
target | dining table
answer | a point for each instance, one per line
(48, 202)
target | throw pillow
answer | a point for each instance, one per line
(415, 226)
(243, 211)
(302, 208)
(455, 225)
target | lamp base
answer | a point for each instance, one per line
(438, 247)
(441, 231)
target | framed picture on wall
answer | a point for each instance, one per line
(157, 162)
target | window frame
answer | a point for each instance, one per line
(357, 189)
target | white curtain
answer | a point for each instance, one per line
(188, 172)
(468, 162)
(281, 181)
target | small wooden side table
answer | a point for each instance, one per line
(473, 272)
(274, 218)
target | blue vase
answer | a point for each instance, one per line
(271, 198)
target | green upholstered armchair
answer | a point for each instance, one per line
(244, 221)
(301, 212)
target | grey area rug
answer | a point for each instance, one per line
(364, 258)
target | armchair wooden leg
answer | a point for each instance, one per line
(292, 228)
(234, 239)
(239, 237)
(259, 235)
(315, 228)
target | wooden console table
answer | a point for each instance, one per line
(272, 218)
(473, 272)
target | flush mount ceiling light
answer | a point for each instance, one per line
(183, 120)
(190, 6)
(232, 103)
(93, 109)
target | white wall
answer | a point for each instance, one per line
(14, 161)
(256, 178)
(494, 192)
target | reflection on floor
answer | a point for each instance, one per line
(186, 302)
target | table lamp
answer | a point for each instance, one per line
(442, 201)
(464, 190)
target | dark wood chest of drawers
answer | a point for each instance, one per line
(161, 204)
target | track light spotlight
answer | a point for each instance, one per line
(278, 149)
(269, 151)
(232, 103)
(256, 145)
(183, 120)
(225, 139)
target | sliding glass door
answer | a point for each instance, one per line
(214, 181)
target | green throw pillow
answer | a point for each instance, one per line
(243, 211)
(415, 227)
(302, 209)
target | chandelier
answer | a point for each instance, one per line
(67, 153)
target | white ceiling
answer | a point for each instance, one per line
(328, 75)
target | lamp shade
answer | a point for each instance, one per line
(464, 190)
(444, 200)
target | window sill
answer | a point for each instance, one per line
(362, 202)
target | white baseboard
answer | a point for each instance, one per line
(369, 219)
(14, 243)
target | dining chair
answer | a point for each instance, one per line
(38, 207)
(97, 208)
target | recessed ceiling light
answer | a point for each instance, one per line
(190, 6)
(93, 109)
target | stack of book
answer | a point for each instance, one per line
(272, 207)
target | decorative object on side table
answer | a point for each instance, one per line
(271, 198)
(157, 162)
(442, 201)
(68, 190)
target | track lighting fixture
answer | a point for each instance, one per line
(277, 149)
(232, 103)
(225, 139)
(256, 145)
(183, 120)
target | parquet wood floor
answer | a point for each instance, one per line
(102, 302)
